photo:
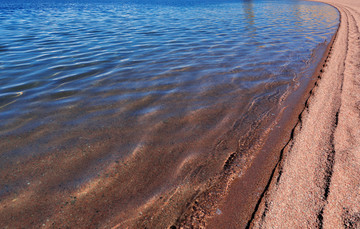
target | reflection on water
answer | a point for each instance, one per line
(121, 112)
(249, 17)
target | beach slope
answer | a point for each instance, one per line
(316, 184)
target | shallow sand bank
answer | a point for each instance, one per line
(317, 183)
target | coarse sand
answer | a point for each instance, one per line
(317, 183)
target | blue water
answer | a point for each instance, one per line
(156, 85)
(57, 54)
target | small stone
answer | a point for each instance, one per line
(218, 211)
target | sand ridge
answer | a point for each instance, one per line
(317, 183)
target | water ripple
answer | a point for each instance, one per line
(148, 84)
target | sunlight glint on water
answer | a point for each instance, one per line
(153, 95)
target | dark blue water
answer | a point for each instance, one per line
(150, 96)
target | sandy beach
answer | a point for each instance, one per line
(317, 183)
(287, 158)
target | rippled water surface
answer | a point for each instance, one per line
(119, 103)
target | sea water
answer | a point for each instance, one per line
(111, 108)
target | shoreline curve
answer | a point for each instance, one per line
(241, 208)
(316, 184)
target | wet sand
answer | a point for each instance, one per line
(60, 197)
(316, 183)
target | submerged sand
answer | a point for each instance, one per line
(317, 183)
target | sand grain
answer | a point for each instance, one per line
(317, 184)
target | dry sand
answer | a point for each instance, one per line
(317, 183)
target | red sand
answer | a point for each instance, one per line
(317, 184)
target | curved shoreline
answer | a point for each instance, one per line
(89, 204)
(243, 194)
(316, 184)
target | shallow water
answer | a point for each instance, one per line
(115, 104)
